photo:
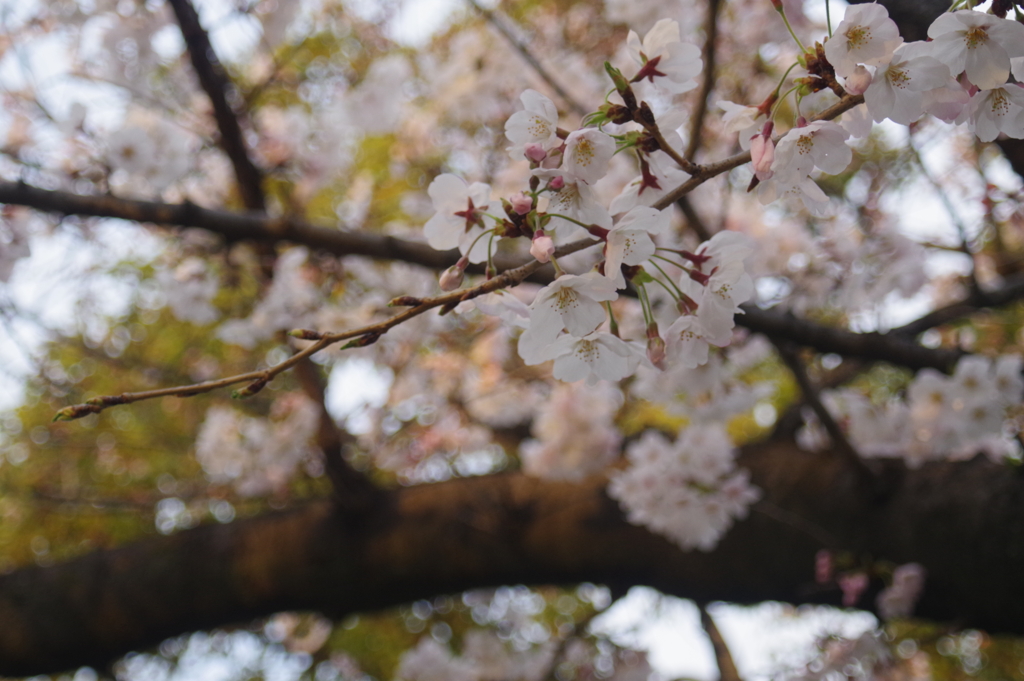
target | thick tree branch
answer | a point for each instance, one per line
(511, 529)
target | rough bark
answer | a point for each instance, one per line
(963, 521)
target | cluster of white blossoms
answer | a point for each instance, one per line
(575, 433)
(942, 417)
(566, 320)
(959, 76)
(257, 456)
(688, 490)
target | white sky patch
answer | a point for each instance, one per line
(669, 629)
(356, 386)
(418, 20)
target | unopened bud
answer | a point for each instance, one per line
(543, 247)
(557, 182)
(801, 122)
(852, 586)
(535, 152)
(655, 346)
(77, 411)
(251, 389)
(452, 277)
(686, 305)
(699, 277)
(823, 566)
(762, 155)
(521, 203)
(858, 83)
(306, 334)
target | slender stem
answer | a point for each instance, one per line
(799, 44)
(670, 262)
(679, 292)
(828, 16)
(613, 324)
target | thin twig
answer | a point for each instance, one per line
(492, 17)
(703, 173)
(954, 216)
(708, 83)
(365, 335)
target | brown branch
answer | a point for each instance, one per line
(215, 82)
(894, 347)
(703, 173)
(840, 442)
(888, 347)
(693, 219)
(363, 336)
(962, 521)
(352, 489)
(524, 50)
(726, 666)
(1010, 292)
(708, 83)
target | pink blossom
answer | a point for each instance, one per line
(762, 155)
(853, 585)
(542, 247)
(858, 81)
(521, 203)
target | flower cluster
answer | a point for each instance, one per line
(566, 321)
(943, 417)
(688, 490)
(257, 455)
(960, 75)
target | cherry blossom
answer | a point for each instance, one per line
(978, 43)
(536, 124)
(594, 357)
(998, 110)
(866, 35)
(687, 343)
(897, 89)
(629, 241)
(572, 302)
(587, 154)
(576, 200)
(687, 490)
(660, 176)
(669, 64)
(460, 220)
(574, 433)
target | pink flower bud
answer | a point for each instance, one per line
(852, 585)
(655, 346)
(535, 152)
(521, 203)
(686, 305)
(542, 247)
(557, 182)
(801, 122)
(452, 277)
(823, 566)
(859, 81)
(762, 154)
